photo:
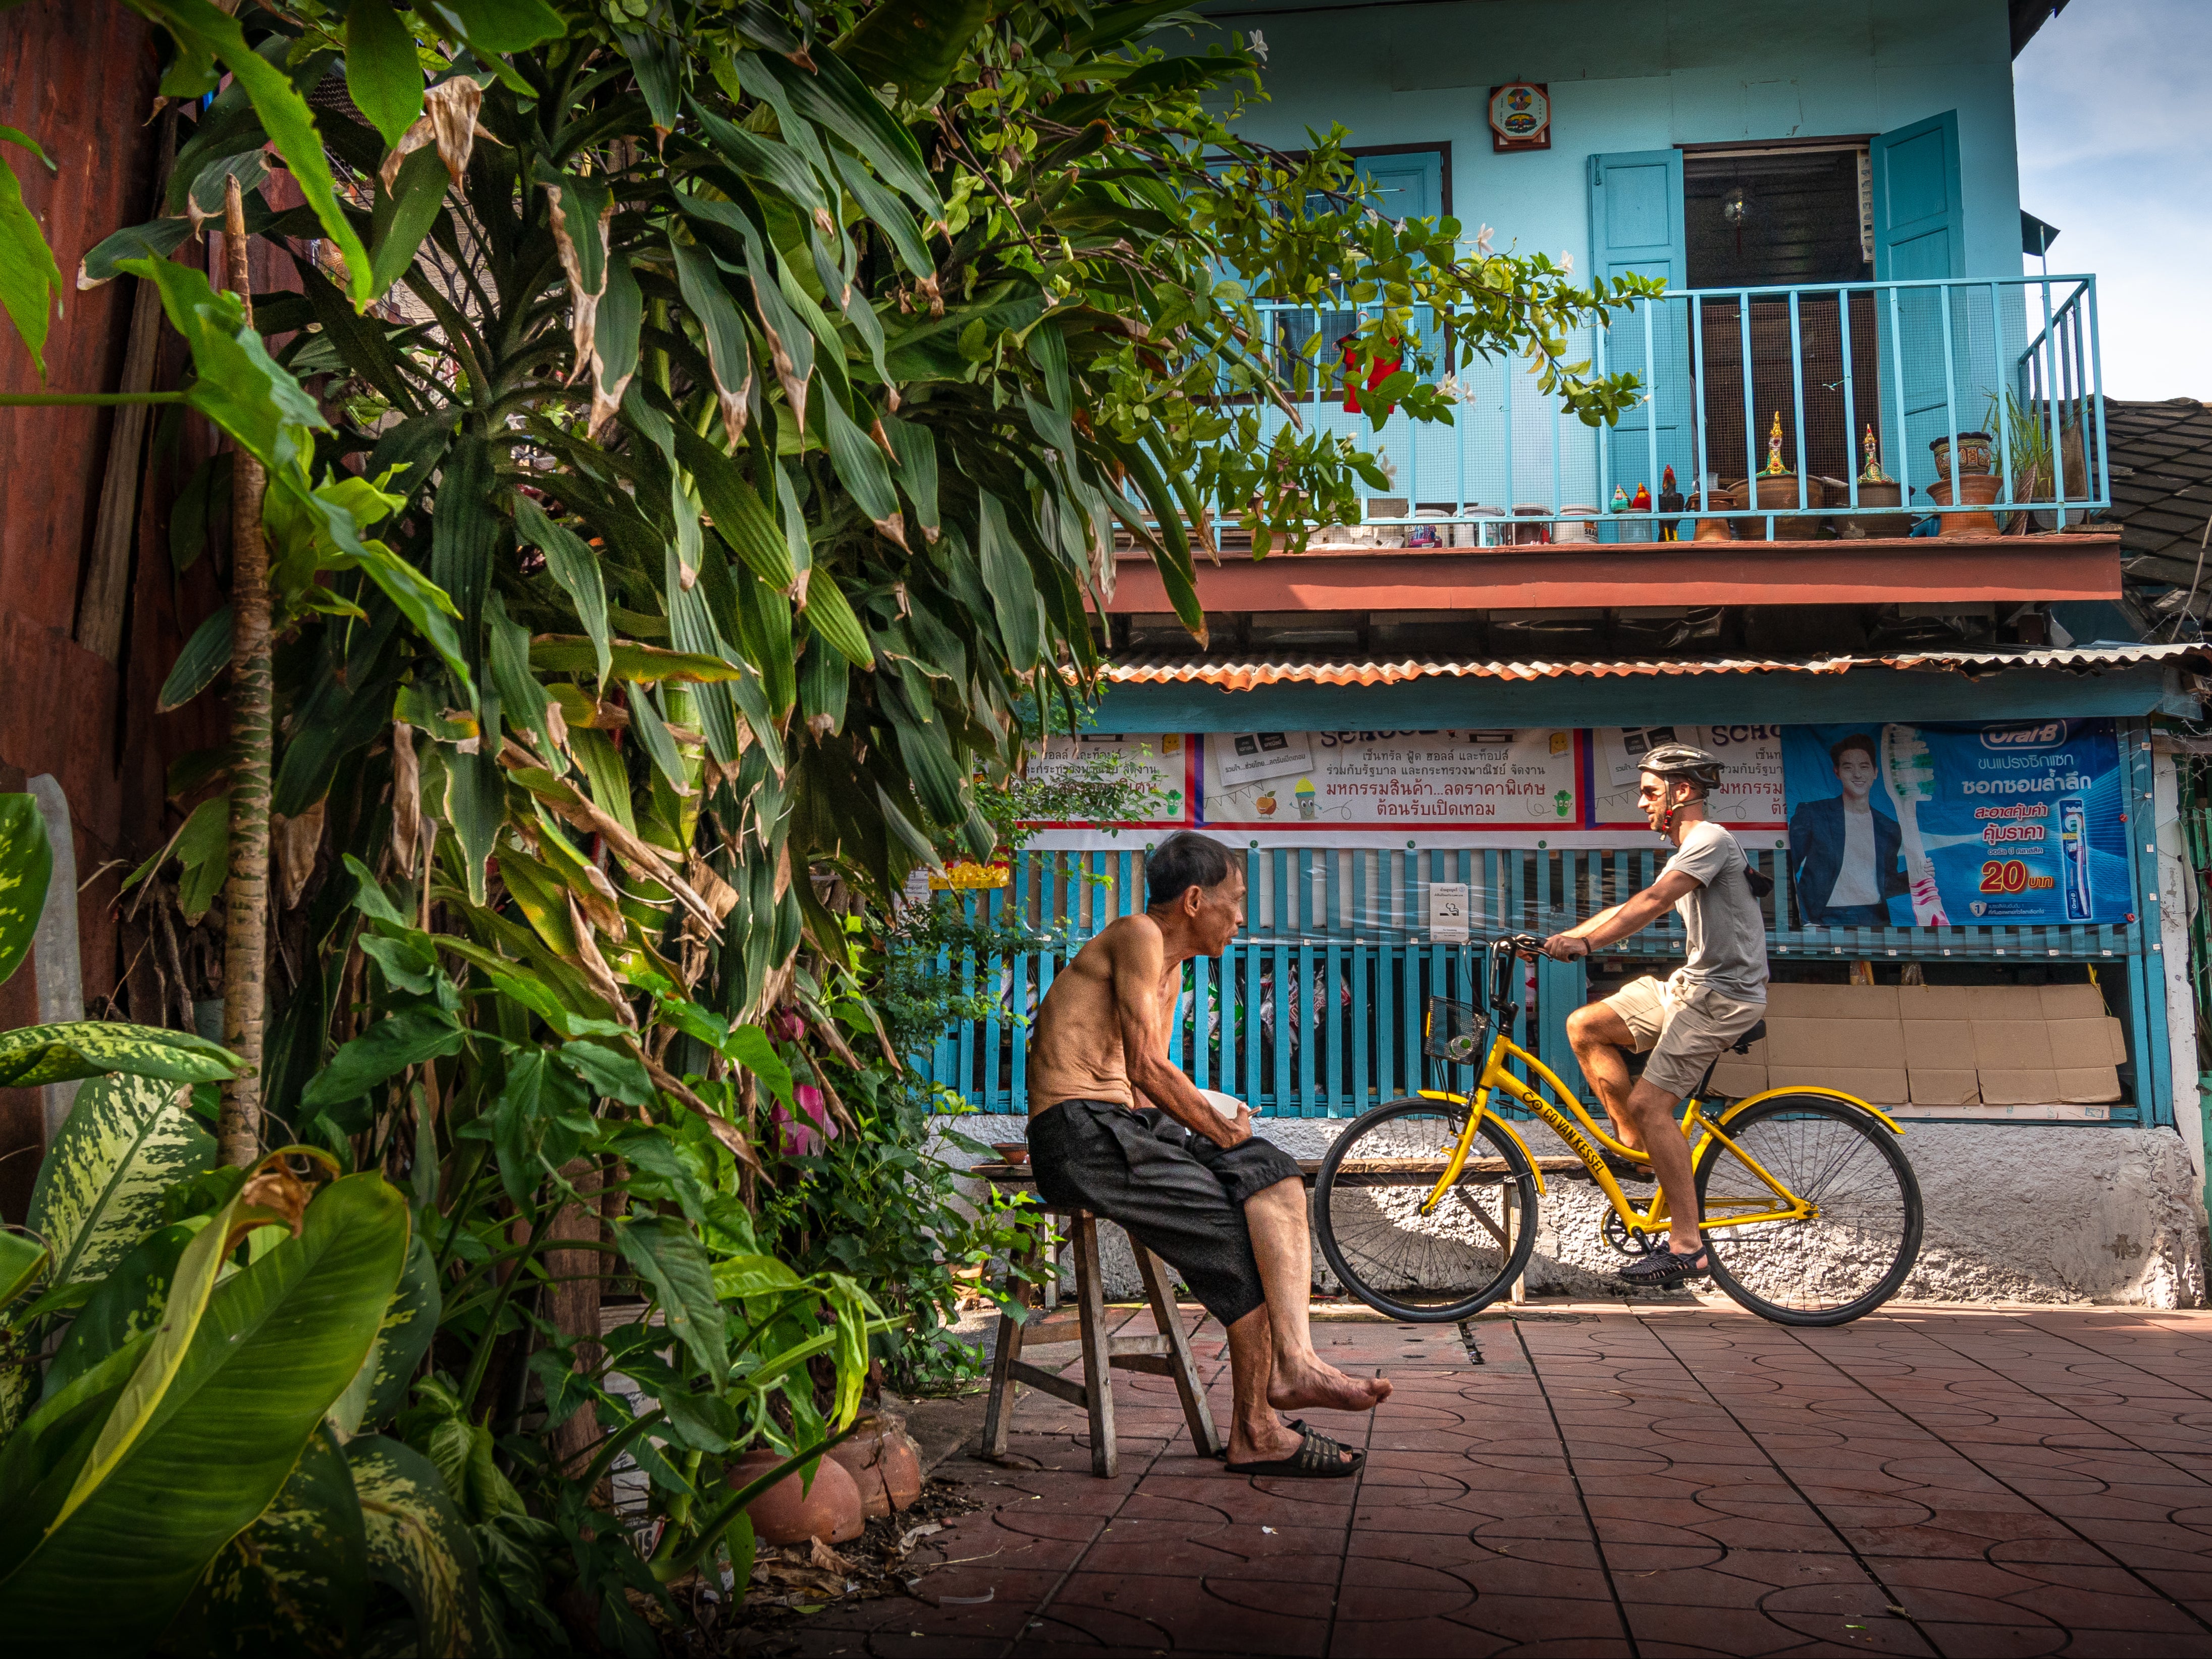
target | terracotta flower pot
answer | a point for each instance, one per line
(829, 1509)
(1775, 493)
(1976, 489)
(1975, 453)
(1887, 494)
(882, 1461)
(1016, 1153)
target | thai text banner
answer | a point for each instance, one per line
(2014, 822)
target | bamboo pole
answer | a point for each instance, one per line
(245, 932)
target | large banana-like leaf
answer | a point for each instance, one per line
(26, 862)
(296, 1580)
(204, 1430)
(417, 1542)
(33, 1055)
(127, 1141)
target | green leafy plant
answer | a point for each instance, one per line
(679, 490)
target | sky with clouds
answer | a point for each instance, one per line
(2115, 150)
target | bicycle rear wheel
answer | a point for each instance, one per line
(1433, 1268)
(1849, 1256)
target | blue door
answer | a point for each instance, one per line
(1635, 225)
(1919, 236)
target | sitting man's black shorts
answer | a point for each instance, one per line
(1179, 1194)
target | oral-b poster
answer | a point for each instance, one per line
(1523, 779)
(2014, 822)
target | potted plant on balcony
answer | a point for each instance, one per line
(2034, 469)
(1976, 453)
(1776, 489)
(1876, 489)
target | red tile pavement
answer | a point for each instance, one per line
(1654, 1480)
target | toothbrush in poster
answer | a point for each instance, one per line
(1908, 772)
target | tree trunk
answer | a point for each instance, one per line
(572, 1304)
(246, 941)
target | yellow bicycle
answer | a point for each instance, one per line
(1426, 1206)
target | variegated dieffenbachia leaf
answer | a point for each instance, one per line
(297, 1579)
(33, 1055)
(417, 1542)
(26, 863)
(409, 1325)
(128, 1140)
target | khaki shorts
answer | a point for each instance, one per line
(1685, 1033)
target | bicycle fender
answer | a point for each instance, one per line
(1482, 1113)
(1887, 1121)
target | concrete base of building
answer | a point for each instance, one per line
(2016, 1212)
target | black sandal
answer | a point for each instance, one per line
(1664, 1269)
(1317, 1458)
(1626, 1170)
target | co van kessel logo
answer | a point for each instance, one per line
(2034, 734)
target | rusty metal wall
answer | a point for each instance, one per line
(79, 76)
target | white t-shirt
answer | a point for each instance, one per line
(1855, 877)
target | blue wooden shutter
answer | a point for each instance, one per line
(1917, 229)
(1918, 236)
(1635, 225)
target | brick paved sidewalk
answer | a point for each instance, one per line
(1664, 1481)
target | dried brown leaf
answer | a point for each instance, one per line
(296, 840)
(583, 302)
(597, 974)
(406, 797)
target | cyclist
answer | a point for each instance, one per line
(1710, 1001)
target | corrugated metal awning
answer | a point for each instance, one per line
(1244, 673)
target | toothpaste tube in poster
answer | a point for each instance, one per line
(2074, 856)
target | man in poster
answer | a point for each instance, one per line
(1847, 860)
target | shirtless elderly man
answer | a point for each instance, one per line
(1117, 1129)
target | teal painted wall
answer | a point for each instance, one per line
(1635, 75)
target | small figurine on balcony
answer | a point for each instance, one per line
(1774, 466)
(1642, 501)
(1620, 499)
(1871, 447)
(1670, 504)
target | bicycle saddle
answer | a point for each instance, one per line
(1742, 1044)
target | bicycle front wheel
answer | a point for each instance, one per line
(1847, 1258)
(1431, 1267)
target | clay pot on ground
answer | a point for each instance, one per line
(1977, 489)
(1016, 1153)
(882, 1461)
(1975, 453)
(1887, 494)
(830, 1508)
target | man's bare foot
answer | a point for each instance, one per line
(1313, 1384)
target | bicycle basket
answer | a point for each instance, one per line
(1454, 1031)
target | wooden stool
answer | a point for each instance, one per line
(1167, 1354)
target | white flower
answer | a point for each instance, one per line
(1482, 241)
(1566, 264)
(1258, 45)
(1450, 387)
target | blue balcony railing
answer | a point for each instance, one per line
(1733, 379)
